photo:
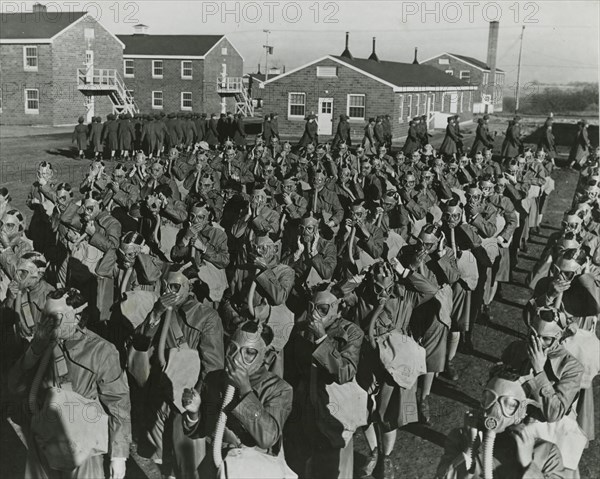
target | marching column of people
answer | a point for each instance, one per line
(252, 307)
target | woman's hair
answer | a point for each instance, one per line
(252, 327)
(73, 297)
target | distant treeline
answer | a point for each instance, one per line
(552, 99)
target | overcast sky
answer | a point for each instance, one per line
(560, 41)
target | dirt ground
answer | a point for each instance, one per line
(418, 448)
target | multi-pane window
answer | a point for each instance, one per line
(157, 68)
(32, 100)
(409, 107)
(157, 99)
(296, 104)
(465, 75)
(186, 100)
(401, 109)
(327, 72)
(129, 68)
(186, 69)
(356, 107)
(30, 58)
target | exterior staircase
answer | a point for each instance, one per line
(106, 82)
(234, 86)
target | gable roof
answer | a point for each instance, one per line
(470, 60)
(30, 26)
(169, 45)
(398, 76)
(261, 76)
(474, 61)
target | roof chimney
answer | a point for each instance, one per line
(258, 71)
(492, 54)
(283, 68)
(140, 29)
(39, 8)
(373, 54)
(415, 61)
(346, 53)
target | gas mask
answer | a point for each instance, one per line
(177, 283)
(323, 306)
(310, 149)
(377, 164)
(566, 266)
(308, 230)
(453, 216)
(91, 208)
(591, 192)
(206, 185)
(478, 160)
(318, 182)
(453, 167)
(289, 186)
(62, 198)
(571, 223)
(258, 200)
(13, 224)
(486, 187)
(156, 171)
(504, 404)
(427, 178)
(429, 239)
(30, 270)
(45, 171)
(415, 158)
(365, 168)
(382, 285)
(409, 182)
(265, 249)
(65, 318)
(154, 203)
(249, 347)
(473, 196)
(268, 172)
(345, 175)
(389, 203)
(501, 186)
(359, 214)
(548, 325)
(118, 176)
(129, 249)
(199, 215)
(463, 162)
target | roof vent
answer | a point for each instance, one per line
(140, 29)
(39, 8)
(373, 54)
(346, 53)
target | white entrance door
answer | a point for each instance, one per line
(325, 116)
(89, 65)
(90, 104)
(453, 102)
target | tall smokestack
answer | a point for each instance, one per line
(492, 55)
(415, 61)
(373, 54)
(346, 53)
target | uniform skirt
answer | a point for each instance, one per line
(431, 333)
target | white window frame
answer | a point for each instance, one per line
(320, 71)
(223, 50)
(364, 107)
(0, 100)
(401, 109)
(443, 61)
(125, 74)
(470, 105)
(499, 79)
(449, 72)
(32, 111)
(187, 108)
(296, 104)
(433, 98)
(460, 102)
(191, 68)
(26, 67)
(468, 72)
(409, 109)
(442, 102)
(485, 79)
(418, 104)
(162, 100)
(162, 66)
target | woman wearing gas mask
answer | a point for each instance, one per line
(40, 229)
(77, 370)
(553, 379)
(188, 348)
(493, 442)
(243, 407)
(206, 246)
(13, 243)
(385, 302)
(324, 349)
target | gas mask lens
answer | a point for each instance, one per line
(508, 404)
(247, 354)
(321, 308)
(174, 287)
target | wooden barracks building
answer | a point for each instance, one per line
(364, 88)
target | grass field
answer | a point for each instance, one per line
(418, 449)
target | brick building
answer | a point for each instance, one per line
(474, 72)
(178, 73)
(363, 88)
(45, 58)
(488, 79)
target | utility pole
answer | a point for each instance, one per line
(519, 72)
(268, 49)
